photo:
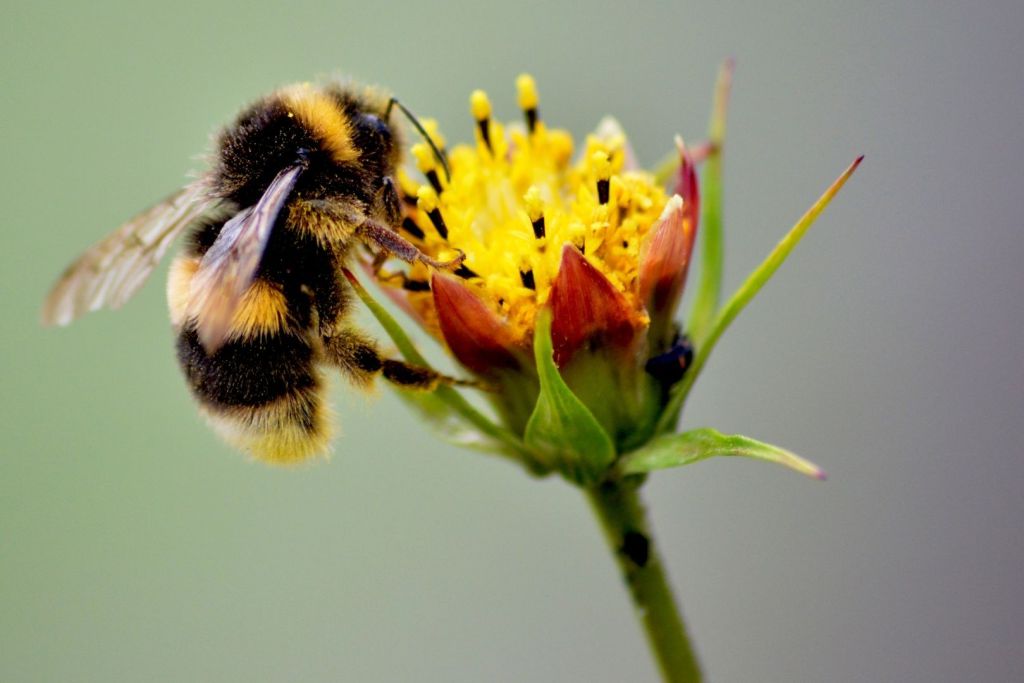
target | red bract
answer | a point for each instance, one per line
(475, 335)
(587, 309)
(666, 255)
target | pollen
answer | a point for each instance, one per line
(516, 198)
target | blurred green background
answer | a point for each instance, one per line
(136, 547)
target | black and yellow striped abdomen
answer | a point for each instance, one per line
(262, 391)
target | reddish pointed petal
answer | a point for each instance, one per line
(586, 307)
(666, 256)
(686, 183)
(476, 336)
(701, 152)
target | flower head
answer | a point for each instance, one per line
(584, 233)
(575, 260)
(516, 201)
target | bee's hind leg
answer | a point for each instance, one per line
(359, 360)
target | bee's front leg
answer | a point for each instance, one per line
(390, 241)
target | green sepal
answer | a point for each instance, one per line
(709, 288)
(743, 296)
(676, 450)
(562, 432)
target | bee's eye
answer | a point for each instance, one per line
(374, 123)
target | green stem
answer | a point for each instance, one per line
(621, 514)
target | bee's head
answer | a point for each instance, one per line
(342, 135)
(376, 139)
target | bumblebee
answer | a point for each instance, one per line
(257, 296)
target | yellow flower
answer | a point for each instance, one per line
(586, 234)
(564, 304)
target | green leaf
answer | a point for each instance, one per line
(747, 291)
(562, 432)
(676, 450)
(447, 411)
(709, 288)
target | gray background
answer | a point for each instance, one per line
(136, 547)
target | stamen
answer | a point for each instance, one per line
(527, 277)
(535, 210)
(480, 106)
(528, 99)
(426, 162)
(603, 168)
(427, 202)
(465, 272)
(407, 187)
(434, 180)
(411, 285)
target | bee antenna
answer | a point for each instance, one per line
(438, 153)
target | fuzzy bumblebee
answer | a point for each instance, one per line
(257, 297)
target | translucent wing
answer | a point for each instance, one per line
(229, 266)
(112, 271)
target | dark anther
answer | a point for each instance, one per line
(485, 132)
(603, 187)
(527, 277)
(415, 285)
(538, 227)
(464, 272)
(438, 221)
(434, 181)
(531, 119)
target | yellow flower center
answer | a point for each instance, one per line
(515, 198)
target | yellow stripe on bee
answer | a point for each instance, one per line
(179, 287)
(324, 117)
(275, 433)
(263, 311)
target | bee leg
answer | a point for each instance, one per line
(416, 377)
(358, 358)
(354, 354)
(379, 259)
(401, 279)
(390, 241)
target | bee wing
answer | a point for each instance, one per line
(113, 270)
(230, 265)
